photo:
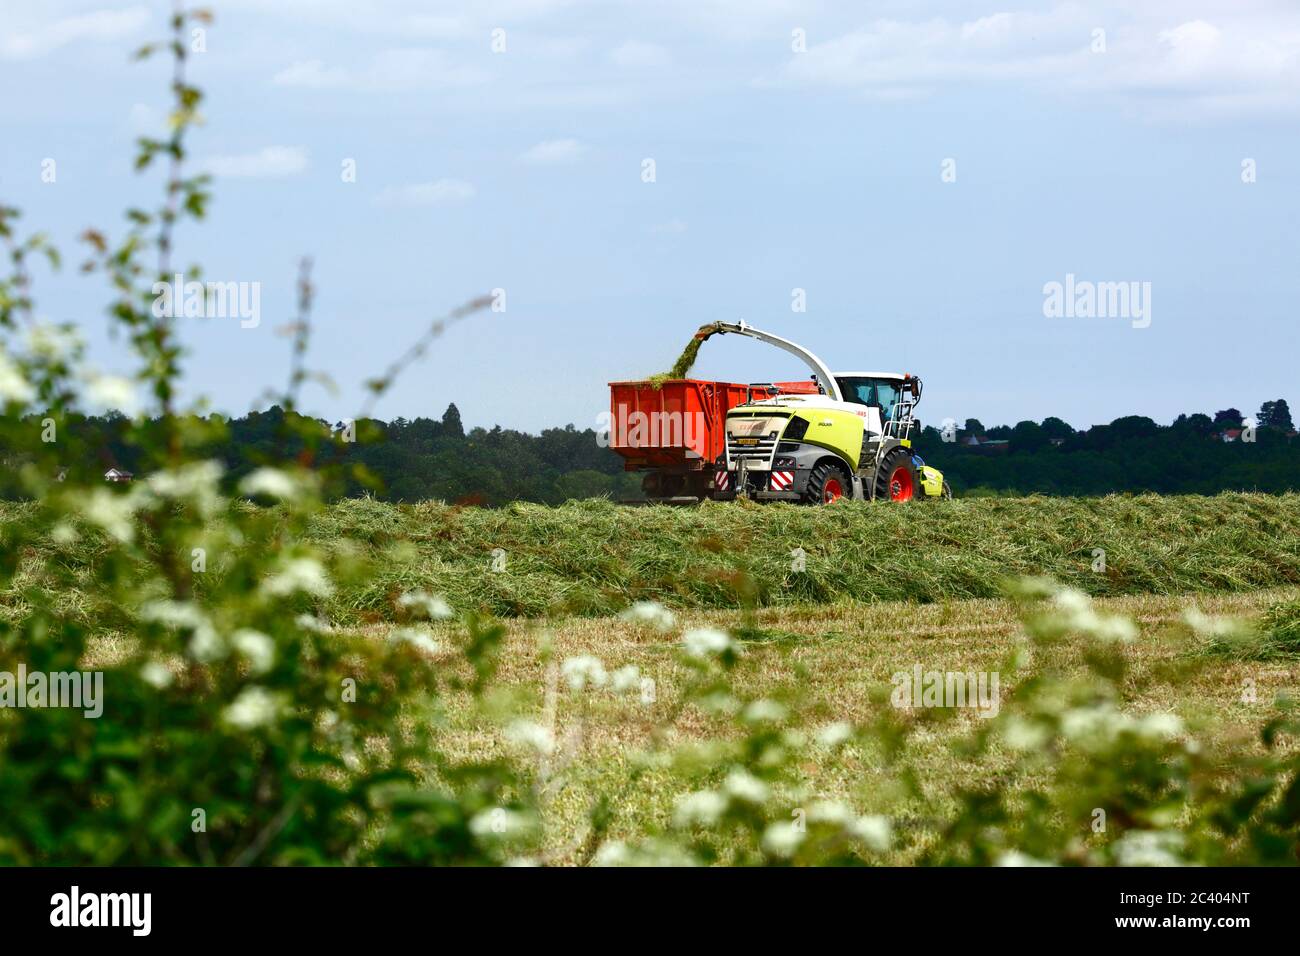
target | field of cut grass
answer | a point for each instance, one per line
(596, 557)
(885, 588)
(838, 662)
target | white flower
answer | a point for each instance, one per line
(156, 675)
(115, 513)
(532, 735)
(833, 735)
(1149, 848)
(652, 613)
(1077, 614)
(310, 622)
(764, 712)
(197, 482)
(1159, 726)
(1023, 735)
(650, 853)
(254, 707)
(706, 641)
(830, 811)
(744, 786)
(419, 639)
(1098, 724)
(719, 702)
(782, 839)
(53, 343)
(1214, 628)
(581, 672)
(614, 853)
(64, 533)
(1016, 858)
(1115, 629)
(432, 606)
(875, 831)
(205, 644)
(499, 824)
(13, 386)
(299, 574)
(180, 614)
(704, 808)
(625, 679)
(270, 482)
(113, 391)
(257, 647)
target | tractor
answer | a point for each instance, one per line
(837, 436)
(850, 438)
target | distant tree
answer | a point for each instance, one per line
(1135, 426)
(1028, 436)
(451, 423)
(1228, 418)
(974, 427)
(1275, 415)
(1056, 428)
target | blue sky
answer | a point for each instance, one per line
(796, 146)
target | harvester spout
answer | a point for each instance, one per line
(820, 372)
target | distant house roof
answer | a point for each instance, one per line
(1231, 434)
(117, 474)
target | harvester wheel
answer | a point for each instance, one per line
(896, 480)
(828, 483)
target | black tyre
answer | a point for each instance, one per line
(827, 484)
(946, 492)
(896, 480)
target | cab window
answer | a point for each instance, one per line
(880, 392)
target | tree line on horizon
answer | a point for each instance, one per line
(408, 460)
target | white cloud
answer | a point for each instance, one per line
(36, 40)
(553, 152)
(435, 27)
(266, 163)
(636, 55)
(390, 71)
(674, 227)
(428, 194)
(1155, 60)
(311, 73)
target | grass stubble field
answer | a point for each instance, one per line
(842, 658)
(883, 589)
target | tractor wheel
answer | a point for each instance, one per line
(827, 484)
(896, 480)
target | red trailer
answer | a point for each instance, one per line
(674, 430)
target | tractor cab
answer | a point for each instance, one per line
(892, 396)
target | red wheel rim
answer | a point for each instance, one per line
(900, 484)
(833, 491)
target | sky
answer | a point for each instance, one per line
(893, 185)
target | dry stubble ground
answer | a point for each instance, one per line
(841, 659)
